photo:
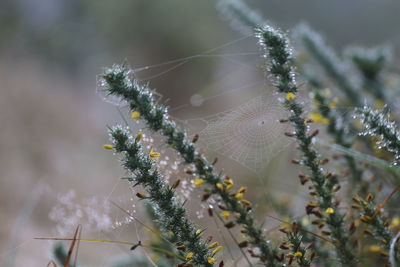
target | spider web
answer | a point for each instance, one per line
(249, 134)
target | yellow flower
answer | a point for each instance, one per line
(198, 182)
(154, 154)
(135, 115)
(329, 211)
(225, 214)
(237, 215)
(211, 260)
(318, 118)
(298, 254)
(189, 256)
(290, 96)
(216, 250)
(108, 146)
(229, 186)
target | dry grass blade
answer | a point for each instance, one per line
(75, 240)
(383, 203)
(158, 249)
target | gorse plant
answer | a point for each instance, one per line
(141, 100)
(356, 119)
(324, 184)
(172, 215)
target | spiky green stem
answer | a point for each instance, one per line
(172, 214)
(280, 65)
(377, 123)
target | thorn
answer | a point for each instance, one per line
(137, 245)
(141, 196)
(181, 247)
(195, 138)
(295, 161)
(243, 244)
(176, 184)
(314, 133)
(324, 161)
(303, 179)
(230, 225)
(210, 212)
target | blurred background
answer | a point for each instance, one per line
(53, 123)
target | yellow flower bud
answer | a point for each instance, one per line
(229, 186)
(198, 182)
(213, 245)
(242, 189)
(108, 146)
(225, 214)
(135, 115)
(374, 248)
(318, 118)
(138, 137)
(239, 196)
(154, 154)
(220, 186)
(246, 202)
(189, 256)
(211, 260)
(298, 254)
(216, 250)
(395, 222)
(290, 96)
(228, 181)
(329, 211)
